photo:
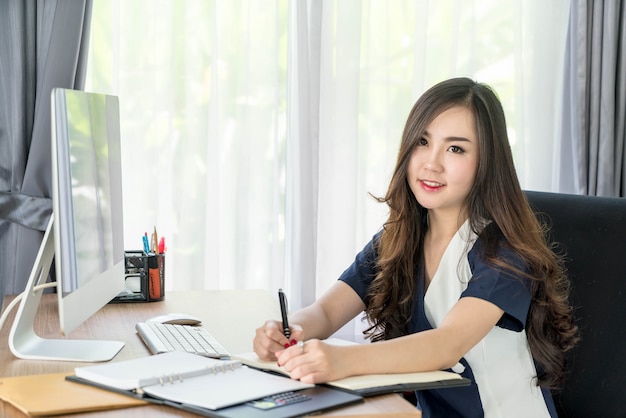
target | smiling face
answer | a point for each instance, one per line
(443, 164)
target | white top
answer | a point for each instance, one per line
(501, 362)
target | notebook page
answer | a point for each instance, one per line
(222, 389)
(139, 372)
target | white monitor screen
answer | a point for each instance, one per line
(87, 196)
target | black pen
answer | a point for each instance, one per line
(283, 311)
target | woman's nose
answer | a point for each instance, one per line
(433, 161)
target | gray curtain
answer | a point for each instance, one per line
(43, 44)
(594, 106)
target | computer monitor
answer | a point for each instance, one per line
(85, 232)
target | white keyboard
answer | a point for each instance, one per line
(162, 338)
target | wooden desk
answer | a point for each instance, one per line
(231, 316)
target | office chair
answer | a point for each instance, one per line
(591, 231)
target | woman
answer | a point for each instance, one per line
(459, 278)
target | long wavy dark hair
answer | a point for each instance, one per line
(496, 196)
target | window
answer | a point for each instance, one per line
(213, 116)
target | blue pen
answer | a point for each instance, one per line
(146, 245)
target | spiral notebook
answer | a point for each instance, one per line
(195, 383)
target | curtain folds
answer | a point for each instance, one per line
(43, 46)
(302, 153)
(594, 111)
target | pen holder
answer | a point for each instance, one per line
(144, 277)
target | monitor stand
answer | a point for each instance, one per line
(23, 340)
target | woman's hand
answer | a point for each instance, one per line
(313, 361)
(269, 339)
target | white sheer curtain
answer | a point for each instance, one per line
(202, 89)
(254, 130)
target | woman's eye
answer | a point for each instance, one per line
(422, 141)
(456, 150)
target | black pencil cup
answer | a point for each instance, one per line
(144, 277)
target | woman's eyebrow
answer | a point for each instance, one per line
(450, 138)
